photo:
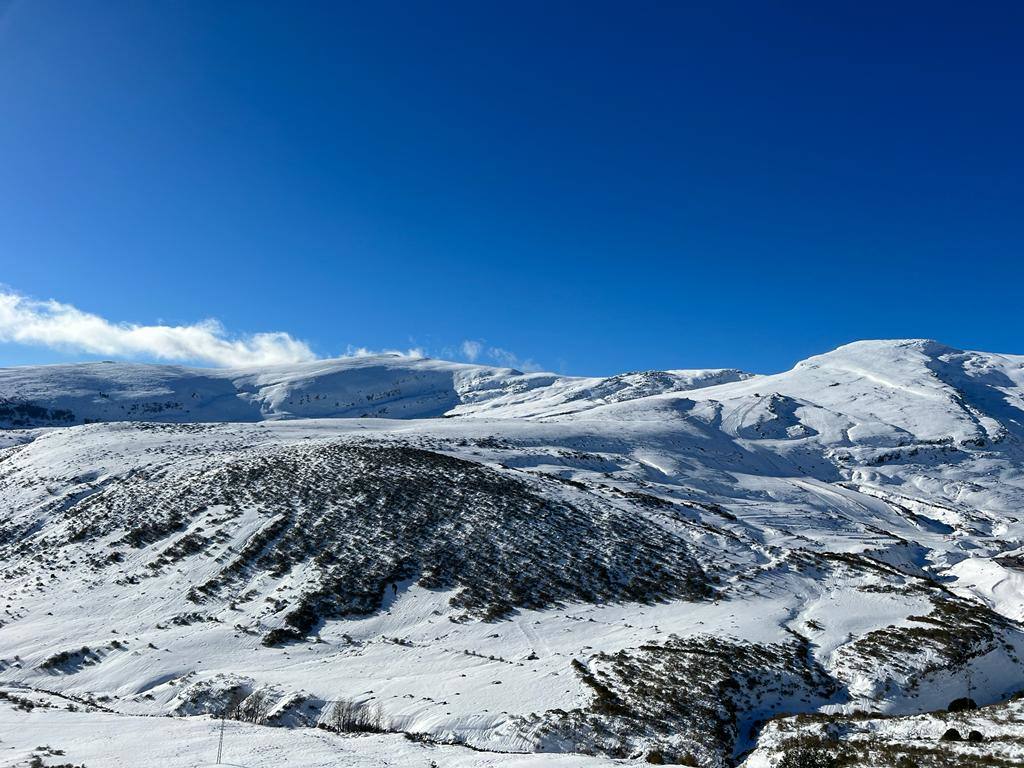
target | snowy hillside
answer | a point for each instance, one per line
(645, 567)
(387, 386)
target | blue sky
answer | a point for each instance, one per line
(591, 187)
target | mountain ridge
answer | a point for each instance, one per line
(394, 386)
(640, 567)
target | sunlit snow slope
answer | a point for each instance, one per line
(388, 386)
(647, 566)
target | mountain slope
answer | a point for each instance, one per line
(647, 566)
(388, 386)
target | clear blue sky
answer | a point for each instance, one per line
(596, 187)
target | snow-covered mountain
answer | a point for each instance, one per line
(648, 566)
(386, 386)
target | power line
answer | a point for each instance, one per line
(220, 744)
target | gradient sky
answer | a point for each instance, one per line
(595, 187)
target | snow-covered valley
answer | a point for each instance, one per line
(497, 568)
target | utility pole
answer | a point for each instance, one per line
(220, 744)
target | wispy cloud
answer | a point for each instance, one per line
(413, 353)
(475, 350)
(64, 327)
(511, 360)
(59, 326)
(471, 349)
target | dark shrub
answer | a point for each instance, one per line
(807, 757)
(962, 704)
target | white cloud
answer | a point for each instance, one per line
(414, 353)
(511, 360)
(471, 349)
(474, 350)
(62, 326)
